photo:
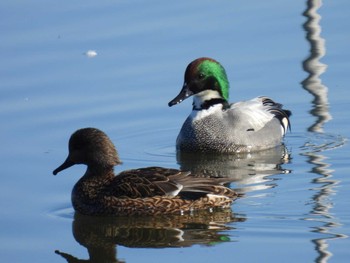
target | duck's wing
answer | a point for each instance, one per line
(146, 182)
(197, 186)
(255, 114)
(158, 181)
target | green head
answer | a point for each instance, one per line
(213, 69)
(204, 74)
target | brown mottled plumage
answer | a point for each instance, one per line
(144, 191)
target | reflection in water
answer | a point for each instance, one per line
(314, 67)
(325, 186)
(100, 235)
(249, 171)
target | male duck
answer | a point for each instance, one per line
(145, 191)
(217, 126)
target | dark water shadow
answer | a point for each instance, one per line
(248, 171)
(325, 184)
(101, 235)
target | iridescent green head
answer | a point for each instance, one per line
(204, 77)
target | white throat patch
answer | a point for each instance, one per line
(200, 114)
(203, 96)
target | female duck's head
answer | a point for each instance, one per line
(92, 147)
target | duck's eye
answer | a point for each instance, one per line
(201, 76)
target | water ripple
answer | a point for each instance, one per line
(319, 142)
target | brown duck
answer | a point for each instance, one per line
(144, 191)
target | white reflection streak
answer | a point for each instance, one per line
(314, 67)
(313, 84)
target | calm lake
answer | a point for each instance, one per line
(115, 65)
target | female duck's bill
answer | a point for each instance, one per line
(66, 164)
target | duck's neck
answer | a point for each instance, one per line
(207, 98)
(88, 191)
(93, 182)
(99, 172)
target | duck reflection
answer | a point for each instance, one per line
(249, 171)
(100, 235)
(325, 185)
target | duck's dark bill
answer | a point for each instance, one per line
(67, 163)
(184, 94)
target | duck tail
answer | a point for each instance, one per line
(279, 113)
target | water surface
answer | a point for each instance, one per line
(295, 204)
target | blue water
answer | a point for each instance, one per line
(294, 209)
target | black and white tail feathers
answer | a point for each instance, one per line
(281, 114)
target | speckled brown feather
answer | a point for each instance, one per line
(139, 194)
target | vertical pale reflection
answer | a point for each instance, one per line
(325, 188)
(324, 183)
(314, 67)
